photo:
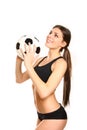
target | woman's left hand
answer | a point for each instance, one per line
(29, 55)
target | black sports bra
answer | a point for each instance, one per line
(45, 71)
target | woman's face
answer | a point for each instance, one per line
(54, 39)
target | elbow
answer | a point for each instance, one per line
(43, 92)
(43, 95)
(18, 80)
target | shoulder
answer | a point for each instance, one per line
(61, 61)
(60, 64)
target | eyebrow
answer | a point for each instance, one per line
(58, 34)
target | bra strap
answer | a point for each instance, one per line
(55, 60)
(51, 61)
(41, 60)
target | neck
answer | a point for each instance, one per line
(53, 54)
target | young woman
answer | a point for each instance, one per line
(46, 73)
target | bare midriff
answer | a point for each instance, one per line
(47, 104)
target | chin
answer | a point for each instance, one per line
(48, 45)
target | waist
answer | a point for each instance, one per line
(47, 105)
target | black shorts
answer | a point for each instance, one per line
(60, 113)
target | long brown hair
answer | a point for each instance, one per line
(66, 55)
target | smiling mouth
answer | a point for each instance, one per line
(49, 41)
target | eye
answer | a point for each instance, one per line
(56, 35)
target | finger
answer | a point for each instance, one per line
(30, 48)
(26, 47)
(22, 52)
(34, 48)
(35, 58)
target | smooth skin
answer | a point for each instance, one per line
(44, 93)
(51, 125)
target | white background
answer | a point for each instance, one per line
(19, 17)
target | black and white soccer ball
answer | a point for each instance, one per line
(25, 39)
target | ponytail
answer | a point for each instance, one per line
(67, 77)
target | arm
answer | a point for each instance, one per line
(58, 71)
(20, 76)
(46, 89)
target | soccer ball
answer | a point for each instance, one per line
(25, 39)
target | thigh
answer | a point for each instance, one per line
(51, 125)
(38, 122)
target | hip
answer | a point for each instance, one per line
(60, 113)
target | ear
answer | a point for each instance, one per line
(64, 44)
